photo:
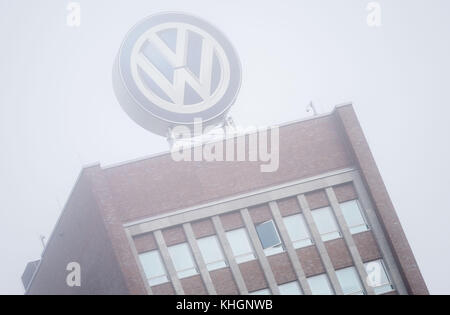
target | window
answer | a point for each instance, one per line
(320, 285)
(326, 223)
(153, 267)
(354, 216)
(378, 277)
(211, 252)
(291, 288)
(270, 240)
(183, 260)
(261, 292)
(297, 230)
(240, 245)
(349, 280)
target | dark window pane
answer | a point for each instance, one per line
(268, 234)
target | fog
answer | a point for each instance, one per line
(58, 111)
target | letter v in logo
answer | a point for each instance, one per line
(182, 75)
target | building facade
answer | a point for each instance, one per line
(322, 224)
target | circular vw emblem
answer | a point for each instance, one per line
(174, 68)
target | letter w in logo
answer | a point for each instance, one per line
(165, 61)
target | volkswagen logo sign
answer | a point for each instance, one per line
(173, 69)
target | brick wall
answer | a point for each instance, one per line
(80, 236)
(158, 185)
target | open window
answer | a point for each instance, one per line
(269, 237)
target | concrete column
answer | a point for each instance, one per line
(379, 235)
(199, 259)
(354, 252)
(138, 261)
(235, 270)
(289, 248)
(320, 245)
(168, 262)
(264, 262)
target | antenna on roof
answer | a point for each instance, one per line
(311, 107)
(42, 238)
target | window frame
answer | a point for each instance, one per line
(390, 283)
(181, 274)
(362, 291)
(363, 215)
(329, 285)
(151, 280)
(305, 224)
(265, 291)
(323, 236)
(274, 249)
(210, 266)
(300, 291)
(244, 257)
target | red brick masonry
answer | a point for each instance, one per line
(90, 229)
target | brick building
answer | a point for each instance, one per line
(322, 224)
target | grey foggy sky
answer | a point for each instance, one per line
(58, 111)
